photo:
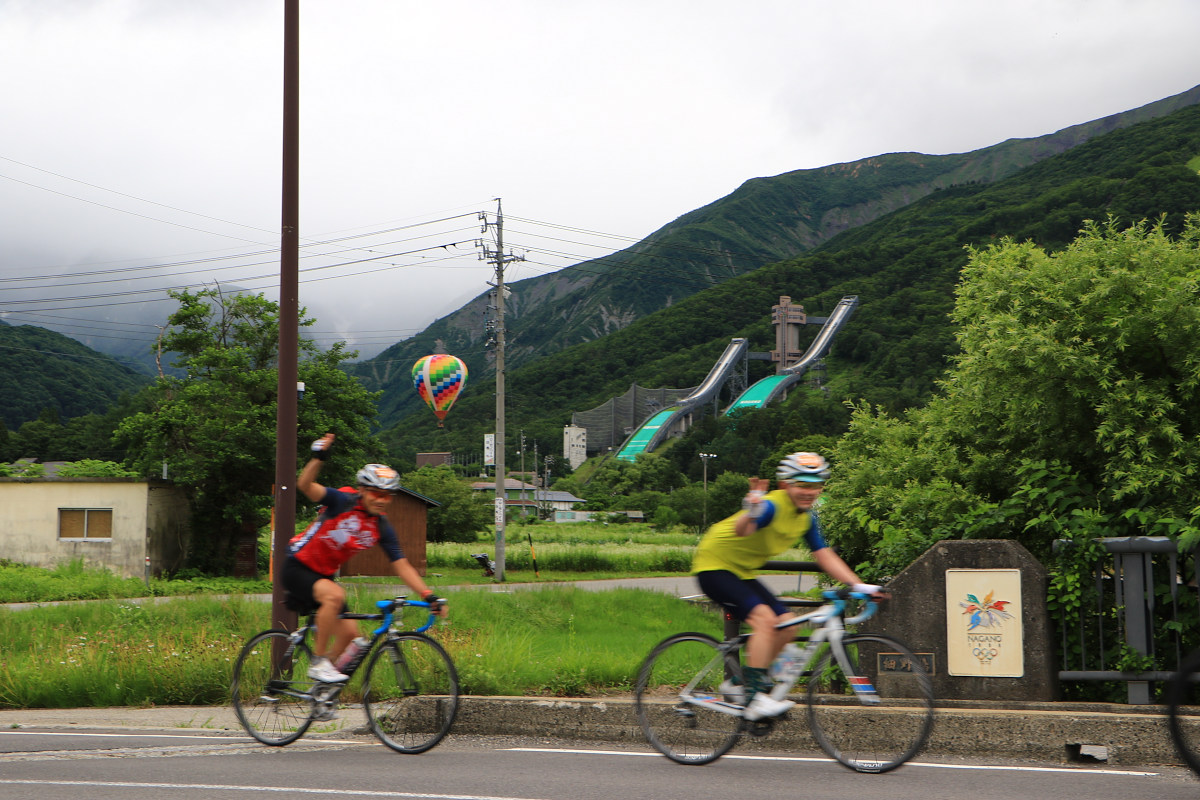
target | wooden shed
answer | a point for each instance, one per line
(408, 515)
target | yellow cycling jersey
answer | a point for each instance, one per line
(722, 548)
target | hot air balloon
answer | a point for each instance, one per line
(438, 379)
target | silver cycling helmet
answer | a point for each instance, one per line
(805, 467)
(379, 476)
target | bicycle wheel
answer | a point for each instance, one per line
(678, 702)
(410, 692)
(273, 701)
(872, 728)
(1183, 710)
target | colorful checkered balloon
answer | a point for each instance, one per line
(438, 379)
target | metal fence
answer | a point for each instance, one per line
(1142, 594)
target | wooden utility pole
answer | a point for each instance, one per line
(289, 311)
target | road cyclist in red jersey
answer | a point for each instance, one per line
(347, 524)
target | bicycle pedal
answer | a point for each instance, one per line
(761, 727)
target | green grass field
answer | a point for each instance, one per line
(556, 641)
(180, 648)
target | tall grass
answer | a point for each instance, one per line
(582, 548)
(74, 580)
(110, 653)
(558, 641)
(628, 559)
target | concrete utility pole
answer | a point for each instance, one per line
(498, 259)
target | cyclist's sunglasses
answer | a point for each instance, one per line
(378, 493)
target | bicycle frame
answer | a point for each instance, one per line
(386, 616)
(832, 621)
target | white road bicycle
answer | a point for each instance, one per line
(867, 726)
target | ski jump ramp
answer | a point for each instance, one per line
(655, 430)
(773, 387)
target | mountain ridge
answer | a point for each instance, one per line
(903, 267)
(764, 220)
(47, 370)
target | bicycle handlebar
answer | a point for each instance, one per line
(389, 606)
(839, 598)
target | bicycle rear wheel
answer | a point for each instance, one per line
(1183, 710)
(410, 692)
(273, 701)
(870, 728)
(677, 699)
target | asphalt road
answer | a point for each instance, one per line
(55, 764)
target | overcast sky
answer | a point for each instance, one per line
(141, 139)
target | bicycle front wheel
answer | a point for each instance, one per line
(271, 688)
(870, 728)
(1183, 711)
(678, 700)
(410, 692)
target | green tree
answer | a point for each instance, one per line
(725, 495)
(688, 503)
(91, 468)
(214, 428)
(462, 513)
(1073, 407)
(665, 518)
(617, 478)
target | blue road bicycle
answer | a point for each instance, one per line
(409, 690)
(688, 694)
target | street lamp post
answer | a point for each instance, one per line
(705, 457)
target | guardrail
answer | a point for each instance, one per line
(1127, 600)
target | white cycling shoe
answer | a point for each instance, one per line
(732, 692)
(763, 706)
(323, 670)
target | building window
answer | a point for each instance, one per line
(85, 523)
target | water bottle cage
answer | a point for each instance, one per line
(355, 662)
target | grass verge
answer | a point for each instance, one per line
(556, 641)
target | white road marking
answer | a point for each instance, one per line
(240, 738)
(278, 789)
(981, 767)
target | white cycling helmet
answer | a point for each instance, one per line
(379, 476)
(805, 467)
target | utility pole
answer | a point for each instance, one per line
(704, 519)
(499, 259)
(289, 303)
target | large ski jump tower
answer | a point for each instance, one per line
(788, 320)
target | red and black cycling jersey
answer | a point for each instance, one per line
(343, 529)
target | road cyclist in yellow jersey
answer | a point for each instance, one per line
(733, 549)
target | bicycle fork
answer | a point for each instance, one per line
(864, 690)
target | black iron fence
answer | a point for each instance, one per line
(1142, 610)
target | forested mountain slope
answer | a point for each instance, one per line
(766, 220)
(903, 267)
(42, 369)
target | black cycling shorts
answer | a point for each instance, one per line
(298, 581)
(737, 595)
